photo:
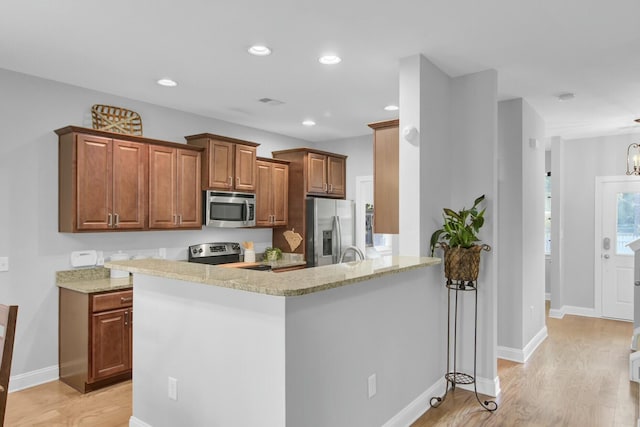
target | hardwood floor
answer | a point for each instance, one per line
(577, 377)
(57, 404)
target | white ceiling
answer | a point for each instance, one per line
(539, 48)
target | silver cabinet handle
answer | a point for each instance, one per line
(180, 219)
(126, 318)
(237, 182)
(117, 222)
(175, 219)
(125, 299)
(324, 186)
(330, 188)
(230, 181)
(109, 220)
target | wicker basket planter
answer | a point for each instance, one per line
(116, 119)
(462, 264)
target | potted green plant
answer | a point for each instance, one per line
(458, 237)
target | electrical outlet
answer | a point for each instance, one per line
(371, 383)
(162, 253)
(173, 388)
(4, 263)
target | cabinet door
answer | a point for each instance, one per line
(336, 176)
(129, 178)
(162, 187)
(264, 197)
(317, 173)
(110, 352)
(220, 164)
(94, 183)
(386, 180)
(280, 194)
(245, 168)
(189, 198)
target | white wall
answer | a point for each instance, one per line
(473, 172)
(510, 233)
(533, 172)
(521, 310)
(581, 160)
(30, 110)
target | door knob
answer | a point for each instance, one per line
(605, 256)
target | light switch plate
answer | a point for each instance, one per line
(4, 263)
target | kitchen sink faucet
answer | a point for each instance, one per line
(354, 249)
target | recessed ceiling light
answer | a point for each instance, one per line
(330, 59)
(566, 96)
(309, 123)
(392, 108)
(167, 82)
(259, 50)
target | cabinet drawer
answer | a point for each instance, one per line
(111, 301)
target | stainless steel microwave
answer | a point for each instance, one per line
(228, 209)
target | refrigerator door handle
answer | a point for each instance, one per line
(339, 239)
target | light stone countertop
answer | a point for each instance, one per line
(289, 283)
(90, 280)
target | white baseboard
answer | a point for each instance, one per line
(484, 386)
(411, 412)
(521, 356)
(33, 378)
(547, 296)
(556, 313)
(573, 310)
(134, 422)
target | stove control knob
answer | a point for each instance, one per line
(200, 250)
(194, 251)
(236, 246)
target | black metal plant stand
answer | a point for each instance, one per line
(452, 376)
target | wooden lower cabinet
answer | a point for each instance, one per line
(95, 338)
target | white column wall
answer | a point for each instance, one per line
(474, 116)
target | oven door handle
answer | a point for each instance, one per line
(246, 212)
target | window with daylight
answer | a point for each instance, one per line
(627, 221)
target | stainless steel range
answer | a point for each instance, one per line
(220, 253)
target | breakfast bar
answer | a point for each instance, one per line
(352, 344)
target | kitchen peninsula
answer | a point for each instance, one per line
(354, 344)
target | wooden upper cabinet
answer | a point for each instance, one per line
(189, 197)
(272, 190)
(245, 168)
(227, 164)
(93, 184)
(386, 176)
(110, 183)
(317, 173)
(326, 175)
(129, 182)
(104, 182)
(175, 197)
(336, 179)
(220, 168)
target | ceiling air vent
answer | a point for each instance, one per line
(271, 102)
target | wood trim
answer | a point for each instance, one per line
(73, 338)
(307, 150)
(123, 136)
(221, 138)
(270, 160)
(385, 124)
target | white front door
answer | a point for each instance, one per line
(620, 224)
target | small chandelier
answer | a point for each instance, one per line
(633, 159)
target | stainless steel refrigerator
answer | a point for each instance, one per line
(330, 230)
